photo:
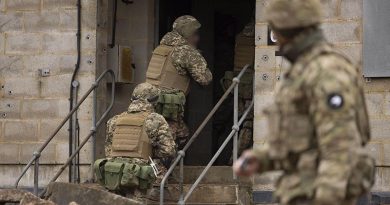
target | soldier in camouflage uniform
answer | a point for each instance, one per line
(144, 98)
(178, 51)
(244, 54)
(246, 132)
(318, 124)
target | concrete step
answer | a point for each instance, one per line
(216, 175)
(64, 193)
(18, 196)
(210, 194)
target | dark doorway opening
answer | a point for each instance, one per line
(221, 21)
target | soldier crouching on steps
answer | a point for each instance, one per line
(133, 139)
(318, 124)
(173, 64)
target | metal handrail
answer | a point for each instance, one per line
(235, 130)
(37, 154)
(181, 153)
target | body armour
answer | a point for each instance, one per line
(130, 138)
(162, 73)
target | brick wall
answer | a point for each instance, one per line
(343, 27)
(40, 34)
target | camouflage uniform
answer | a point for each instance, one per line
(318, 124)
(157, 129)
(188, 61)
(246, 132)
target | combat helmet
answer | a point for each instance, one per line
(291, 14)
(146, 92)
(186, 25)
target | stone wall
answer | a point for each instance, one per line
(34, 35)
(343, 28)
(135, 29)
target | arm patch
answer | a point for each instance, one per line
(335, 101)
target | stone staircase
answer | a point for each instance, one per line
(218, 187)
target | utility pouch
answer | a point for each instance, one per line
(146, 177)
(113, 174)
(130, 173)
(171, 106)
(99, 170)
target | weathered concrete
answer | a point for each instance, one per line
(35, 35)
(11, 195)
(21, 197)
(216, 175)
(64, 193)
(210, 194)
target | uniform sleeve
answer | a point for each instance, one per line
(160, 135)
(189, 59)
(266, 163)
(331, 107)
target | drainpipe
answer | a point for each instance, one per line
(73, 100)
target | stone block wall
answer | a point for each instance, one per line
(343, 27)
(34, 35)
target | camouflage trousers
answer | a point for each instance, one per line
(180, 132)
(245, 137)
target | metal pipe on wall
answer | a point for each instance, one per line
(73, 90)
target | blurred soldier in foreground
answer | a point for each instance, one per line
(318, 124)
(133, 139)
(174, 62)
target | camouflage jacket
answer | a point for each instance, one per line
(249, 29)
(186, 59)
(317, 125)
(156, 128)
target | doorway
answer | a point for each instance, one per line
(221, 21)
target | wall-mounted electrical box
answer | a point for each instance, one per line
(120, 59)
(376, 41)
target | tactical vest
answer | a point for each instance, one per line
(162, 73)
(129, 138)
(244, 52)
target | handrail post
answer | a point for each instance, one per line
(94, 110)
(235, 122)
(73, 171)
(170, 170)
(181, 180)
(235, 129)
(37, 155)
(198, 131)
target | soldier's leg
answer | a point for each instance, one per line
(180, 131)
(245, 137)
